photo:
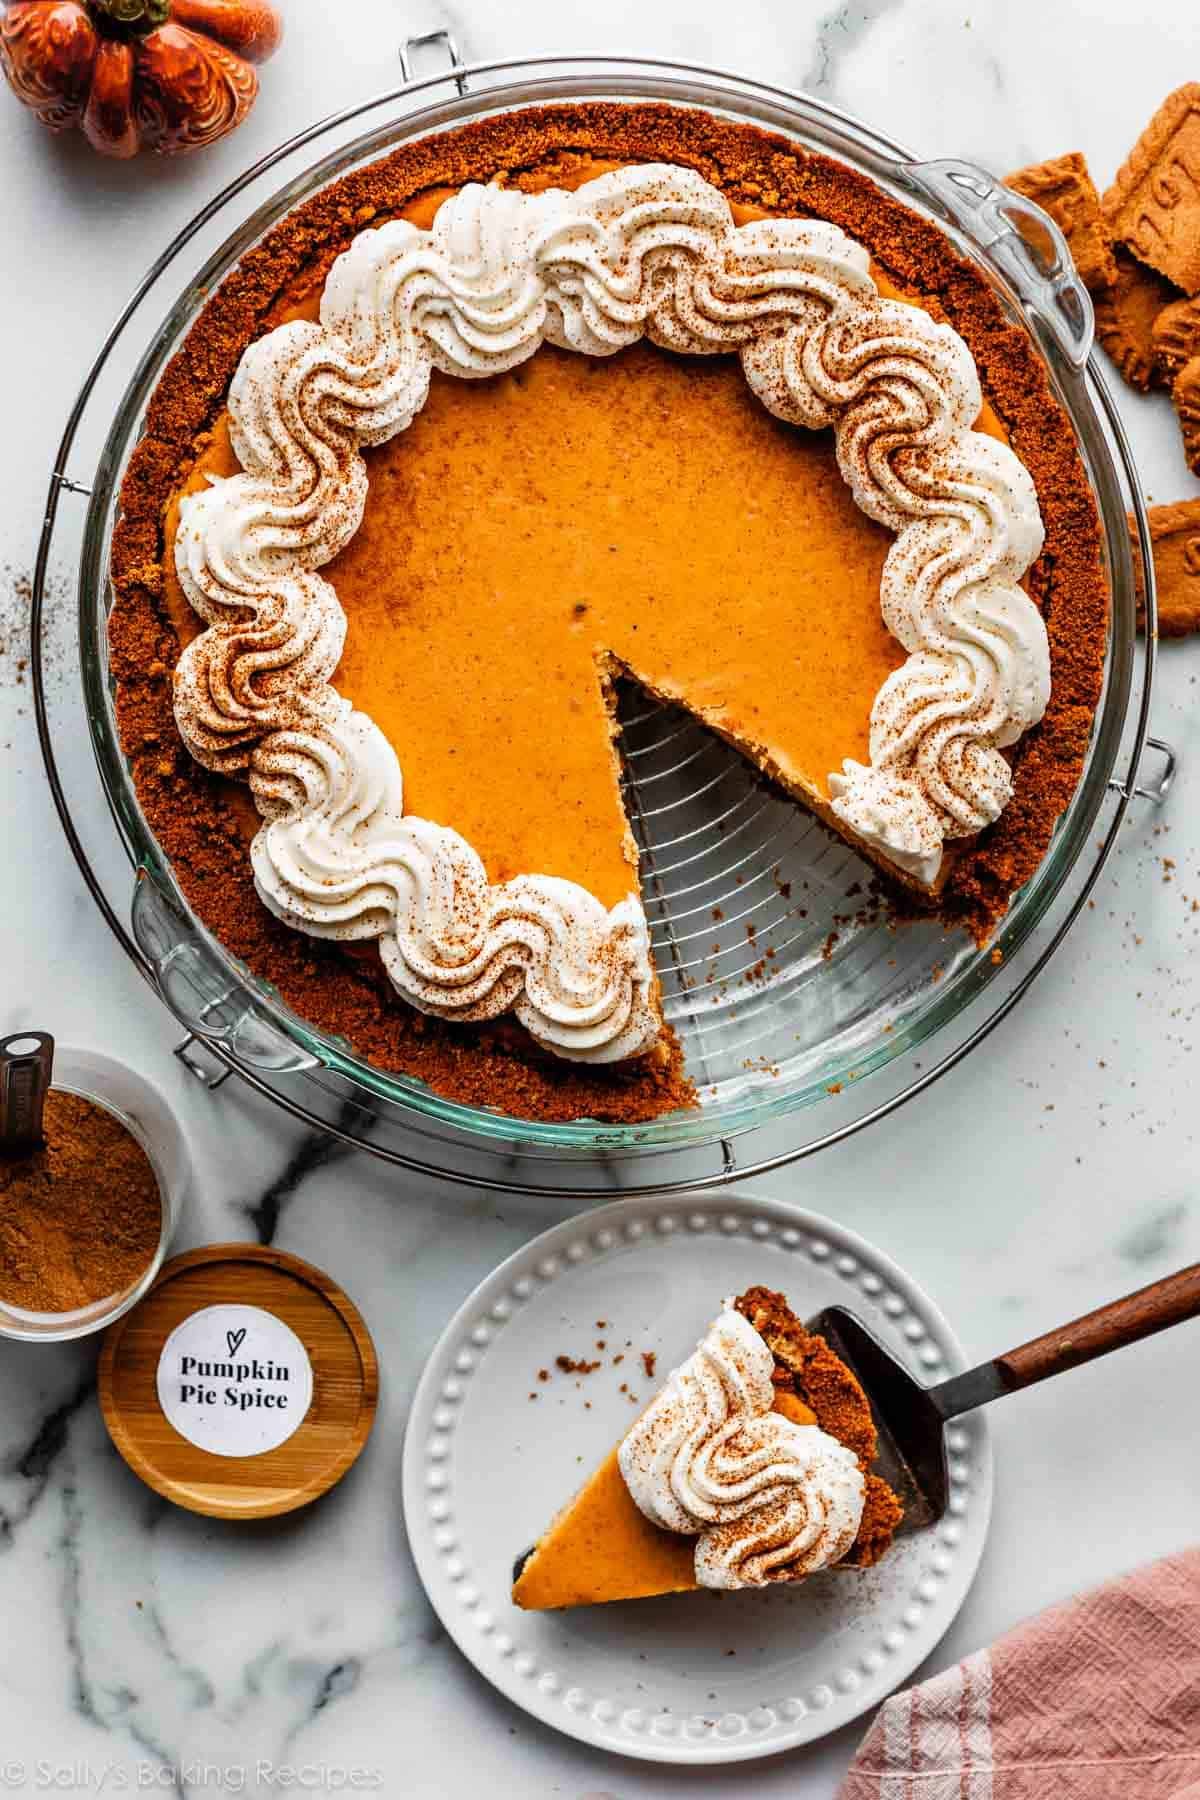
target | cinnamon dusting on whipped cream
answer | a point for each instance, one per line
(200, 824)
(768, 1499)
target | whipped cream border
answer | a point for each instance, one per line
(646, 251)
(767, 1498)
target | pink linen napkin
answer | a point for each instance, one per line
(1098, 1699)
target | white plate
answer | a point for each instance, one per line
(693, 1678)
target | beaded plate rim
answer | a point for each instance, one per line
(917, 1615)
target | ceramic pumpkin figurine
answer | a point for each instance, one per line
(161, 75)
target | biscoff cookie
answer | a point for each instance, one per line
(1063, 187)
(1153, 206)
(1185, 392)
(1126, 314)
(1176, 336)
(1175, 541)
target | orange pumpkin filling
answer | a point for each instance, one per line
(531, 534)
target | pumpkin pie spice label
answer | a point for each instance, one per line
(234, 1380)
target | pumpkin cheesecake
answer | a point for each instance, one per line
(557, 399)
(751, 1468)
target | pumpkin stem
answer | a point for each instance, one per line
(136, 16)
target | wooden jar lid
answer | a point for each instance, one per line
(244, 1384)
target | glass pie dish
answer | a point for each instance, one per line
(845, 999)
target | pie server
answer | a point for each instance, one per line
(911, 1419)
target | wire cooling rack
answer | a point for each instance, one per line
(779, 973)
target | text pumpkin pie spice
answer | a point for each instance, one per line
(243, 1386)
(203, 824)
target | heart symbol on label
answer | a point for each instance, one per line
(234, 1340)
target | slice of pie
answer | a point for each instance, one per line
(751, 1467)
(561, 397)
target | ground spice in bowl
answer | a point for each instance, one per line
(81, 1217)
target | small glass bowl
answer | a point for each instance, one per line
(137, 1104)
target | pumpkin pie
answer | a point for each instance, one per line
(751, 1467)
(563, 397)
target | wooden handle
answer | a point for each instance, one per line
(1140, 1315)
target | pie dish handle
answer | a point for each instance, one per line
(1020, 241)
(199, 990)
(445, 43)
(1141, 787)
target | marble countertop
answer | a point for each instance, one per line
(1050, 1173)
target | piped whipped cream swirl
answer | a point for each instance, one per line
(770, 1499)
(647, 251)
